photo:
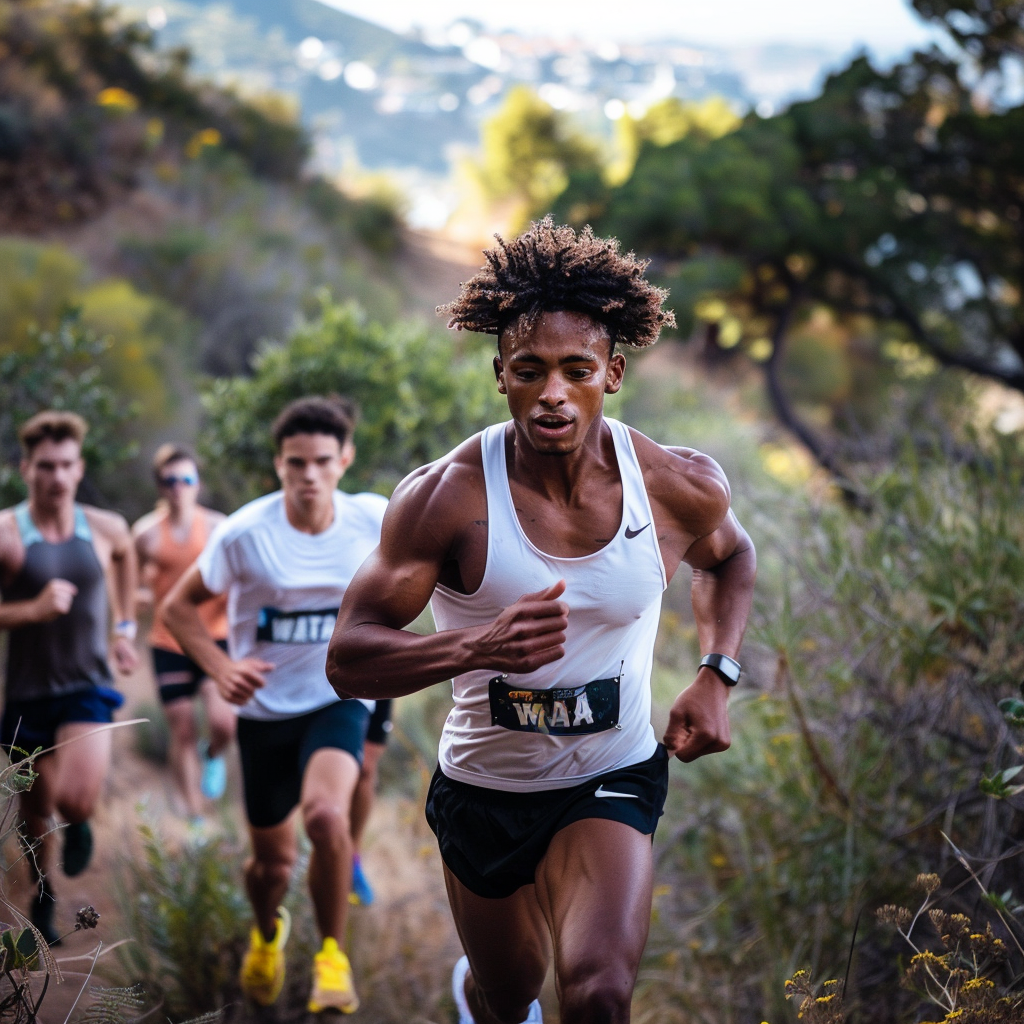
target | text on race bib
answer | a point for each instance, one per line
(560, 711)
(302, 627)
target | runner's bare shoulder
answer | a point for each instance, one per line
(144, 529)
(435, 503)
(686, 482)
(111, 525)
(10, 539)
(213, 517)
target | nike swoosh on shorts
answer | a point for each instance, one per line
(601, 791)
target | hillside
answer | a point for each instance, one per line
(175, 217)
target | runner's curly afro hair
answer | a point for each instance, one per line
(550, 268)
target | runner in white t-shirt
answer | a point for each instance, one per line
(284, 562)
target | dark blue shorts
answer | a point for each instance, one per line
(30, 725)
(274, 755)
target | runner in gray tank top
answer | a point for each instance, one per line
(54, 561)
(544, 546)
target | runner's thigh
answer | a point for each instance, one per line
(81, 767)
(594, 888)
(330, 779)
(506, 940)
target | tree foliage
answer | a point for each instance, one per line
(85, 101)
(988, 30)
(530, 153)
(894, 200)
(420, 396)
(62, 369)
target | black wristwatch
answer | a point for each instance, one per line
(728, 669)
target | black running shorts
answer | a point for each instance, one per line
(493, 840)
(177, 675)
(380, 723)
(274, 755)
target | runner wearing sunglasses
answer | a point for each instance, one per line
(168, 540)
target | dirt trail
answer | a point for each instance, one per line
(431, 266)
(402, 947)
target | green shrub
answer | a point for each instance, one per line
(152, 737)
(889, 640)
(60, 369)
(188, 920)
(420, 395)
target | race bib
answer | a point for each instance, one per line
(561, 711)
(307, 627)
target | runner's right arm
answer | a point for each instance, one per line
(236, 680)
(372, 656)
(50, 603)
(144, 532)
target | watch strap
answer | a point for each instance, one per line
(727, 668)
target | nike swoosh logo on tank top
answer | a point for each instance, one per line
(630, 534)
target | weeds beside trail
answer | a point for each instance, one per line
(183, 905)
(37, 984)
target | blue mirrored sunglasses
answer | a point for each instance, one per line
(185, 479)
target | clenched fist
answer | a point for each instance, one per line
(54, 600)
(527, 634)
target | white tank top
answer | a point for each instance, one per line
(614, 598)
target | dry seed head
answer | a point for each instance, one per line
(952, 928)
(899, 917)
(87, 917)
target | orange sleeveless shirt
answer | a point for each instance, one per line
(170, 560)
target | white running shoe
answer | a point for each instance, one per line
(459, 973)
(459, 995)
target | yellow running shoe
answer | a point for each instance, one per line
(262, 972)
(332, 981)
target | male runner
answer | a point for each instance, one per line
(55, 557)
(168, 540)
(284, 561)
(544, 546)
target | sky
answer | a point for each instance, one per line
(886, 27)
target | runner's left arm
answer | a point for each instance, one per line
(724, 566)
(125, 572)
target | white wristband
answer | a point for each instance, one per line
(127, 628)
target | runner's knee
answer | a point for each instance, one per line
(77, 807)
(601, 995)
(272, 867)
(182, 724)
(326, 824)
(221, 733)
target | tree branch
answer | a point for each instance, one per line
(824, 456)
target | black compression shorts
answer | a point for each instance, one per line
(380, 723)
(177, 675)
(493, 840)
(274, 755)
